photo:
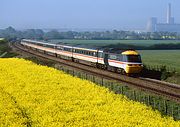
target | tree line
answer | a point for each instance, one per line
(11, 34)
(120, 46)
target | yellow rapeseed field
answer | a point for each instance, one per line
(39, 96)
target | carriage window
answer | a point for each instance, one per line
(67, 49)
(95, 54)
(92, 53)
(119, 57)
(85, 52)
(59, 47)
(78, 51)
(88, 53)
(50, 46)
(113, 57)
(125, 58)
(100, 54)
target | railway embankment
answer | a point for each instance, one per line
(150, 96)
(5, 50)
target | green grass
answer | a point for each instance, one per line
(107, 42)
(10, 55)
(4, 47)
(169, 58)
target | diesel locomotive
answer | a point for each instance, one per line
(122, 61)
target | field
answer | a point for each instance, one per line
(169, 58)
(39, 96)
(94, 43)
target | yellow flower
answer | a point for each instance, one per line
(39, 96)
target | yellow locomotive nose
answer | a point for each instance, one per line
(133, 68)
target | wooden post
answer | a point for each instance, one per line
(172, 110)
(122, 90)
(134, 94)
(165, 107)
(93, 79)
(178, 112)
(73, 72)
(86, 76)
(102, 83)
(154, 102)
(148, 99)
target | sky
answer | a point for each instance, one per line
(100, 14)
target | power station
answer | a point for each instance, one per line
(169, 26)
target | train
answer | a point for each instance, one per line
(126, 62)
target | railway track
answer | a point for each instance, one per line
(167, 90)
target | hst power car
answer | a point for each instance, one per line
(123, 61)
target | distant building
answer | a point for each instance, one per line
(169, 26)
(151, 25)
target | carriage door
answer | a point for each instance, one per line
(106, 59)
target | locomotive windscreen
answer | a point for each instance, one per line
(134, 58)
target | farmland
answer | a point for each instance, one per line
(159, 58)
(34, 95)
(169, 58)
(99, 43)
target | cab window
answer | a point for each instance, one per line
(132, 58)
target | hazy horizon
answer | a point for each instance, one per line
(84, 14)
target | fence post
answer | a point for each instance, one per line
(93, 79)
(178, 114)
(134, 94)
(79, 74)
(139, 97)
(148, 99)
(172, 110)
(159, 105)
(73, 72)
(117, 89)
(102, 83)
(122, 90)
(165, 107)
(112, 86)
(154, 102)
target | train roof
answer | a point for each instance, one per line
(80, 47)
(130, 52)
(67, 46)
(38, 42)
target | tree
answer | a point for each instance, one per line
(54, 34)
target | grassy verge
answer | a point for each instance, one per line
(168, 58)
(4, 47)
